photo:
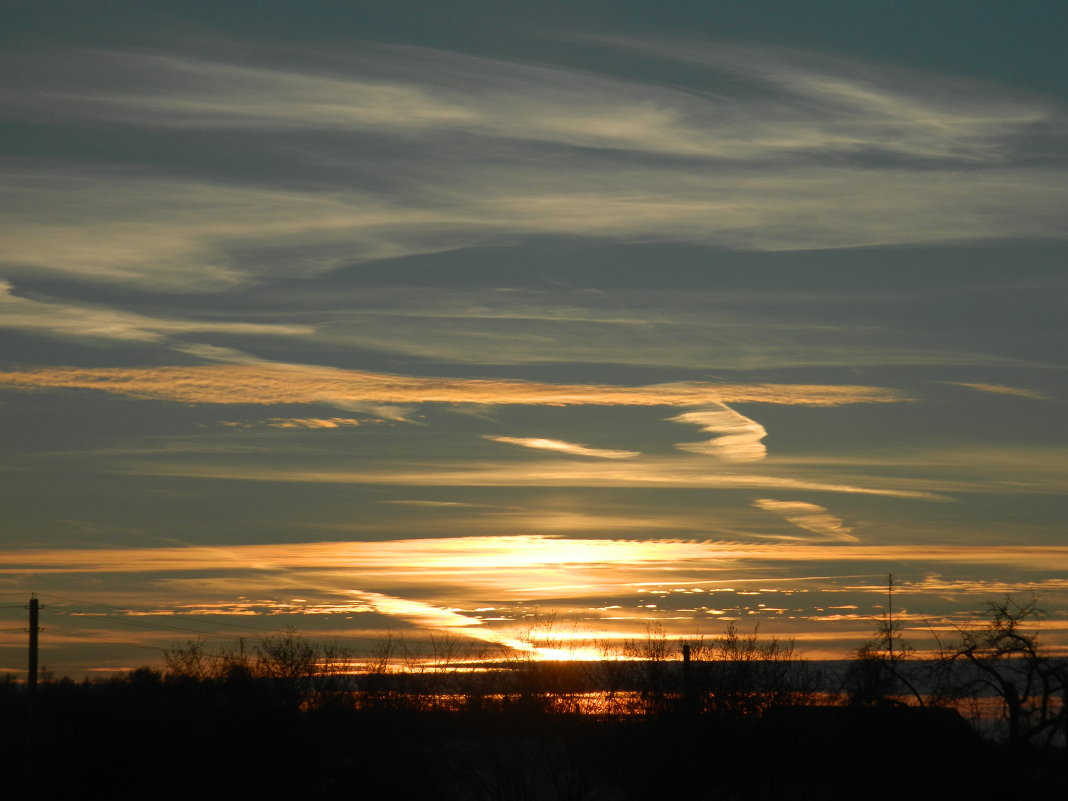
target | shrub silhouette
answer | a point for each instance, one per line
(449, 719)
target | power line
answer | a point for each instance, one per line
(182, 615)
(96, 639)
(136, 621)
(128, 621)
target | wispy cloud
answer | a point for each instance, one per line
(312, 423)
(661, 327)
(422, 613)
(740, 439)
(809, 516)
(990, 588)
(441, 504)
(1001, 389)
(301, 384)
(847, 105)
(961, 459)
(559, 446)
(842, 104)
(648, 473)
(1008, 468)
(487, 587)
(478, 559)
(137, 228)
(492, 520)
(771, 151)
(435, 618)
(570, 523)
(174, 234)
(72, 320)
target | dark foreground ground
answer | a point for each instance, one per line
(154, 739)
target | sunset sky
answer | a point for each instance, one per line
(534, 323)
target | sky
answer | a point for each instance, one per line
(535, 326)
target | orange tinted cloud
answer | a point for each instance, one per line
(436, 618)
(454, 558)
(692, 472)
(571, 448)
(1001, 389)
(260, 383)
(298, 422)
(809, 516)
(740, 439)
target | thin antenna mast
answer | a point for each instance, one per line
(35, 628)
(890, 615)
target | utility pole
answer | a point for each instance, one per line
(687, 680)
(31, 679)
(30, 786)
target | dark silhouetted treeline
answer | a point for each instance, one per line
(731, 717)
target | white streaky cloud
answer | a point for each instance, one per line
(183, 91)
(694, 329)
(968, 469)
(172, 234)
(73, 320)
(559, 446)
(764, 210)
(214, 353)
(435, 618)
(920, 474)
(845, 103)
(417, 611)
(137, 228)
(809, 516)
(740, 439)
(386, 395)
(962, 460)
(788, 152)
(817, 104)
(381, 411)
(1001, 389)
(692, 473)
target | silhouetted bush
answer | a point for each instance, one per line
(743, 718)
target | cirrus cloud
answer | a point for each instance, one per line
(769, 150)
(809, 516)
(276, 383)
(559, 446)
(1001, 389)
(75, 320)
(740, 438)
